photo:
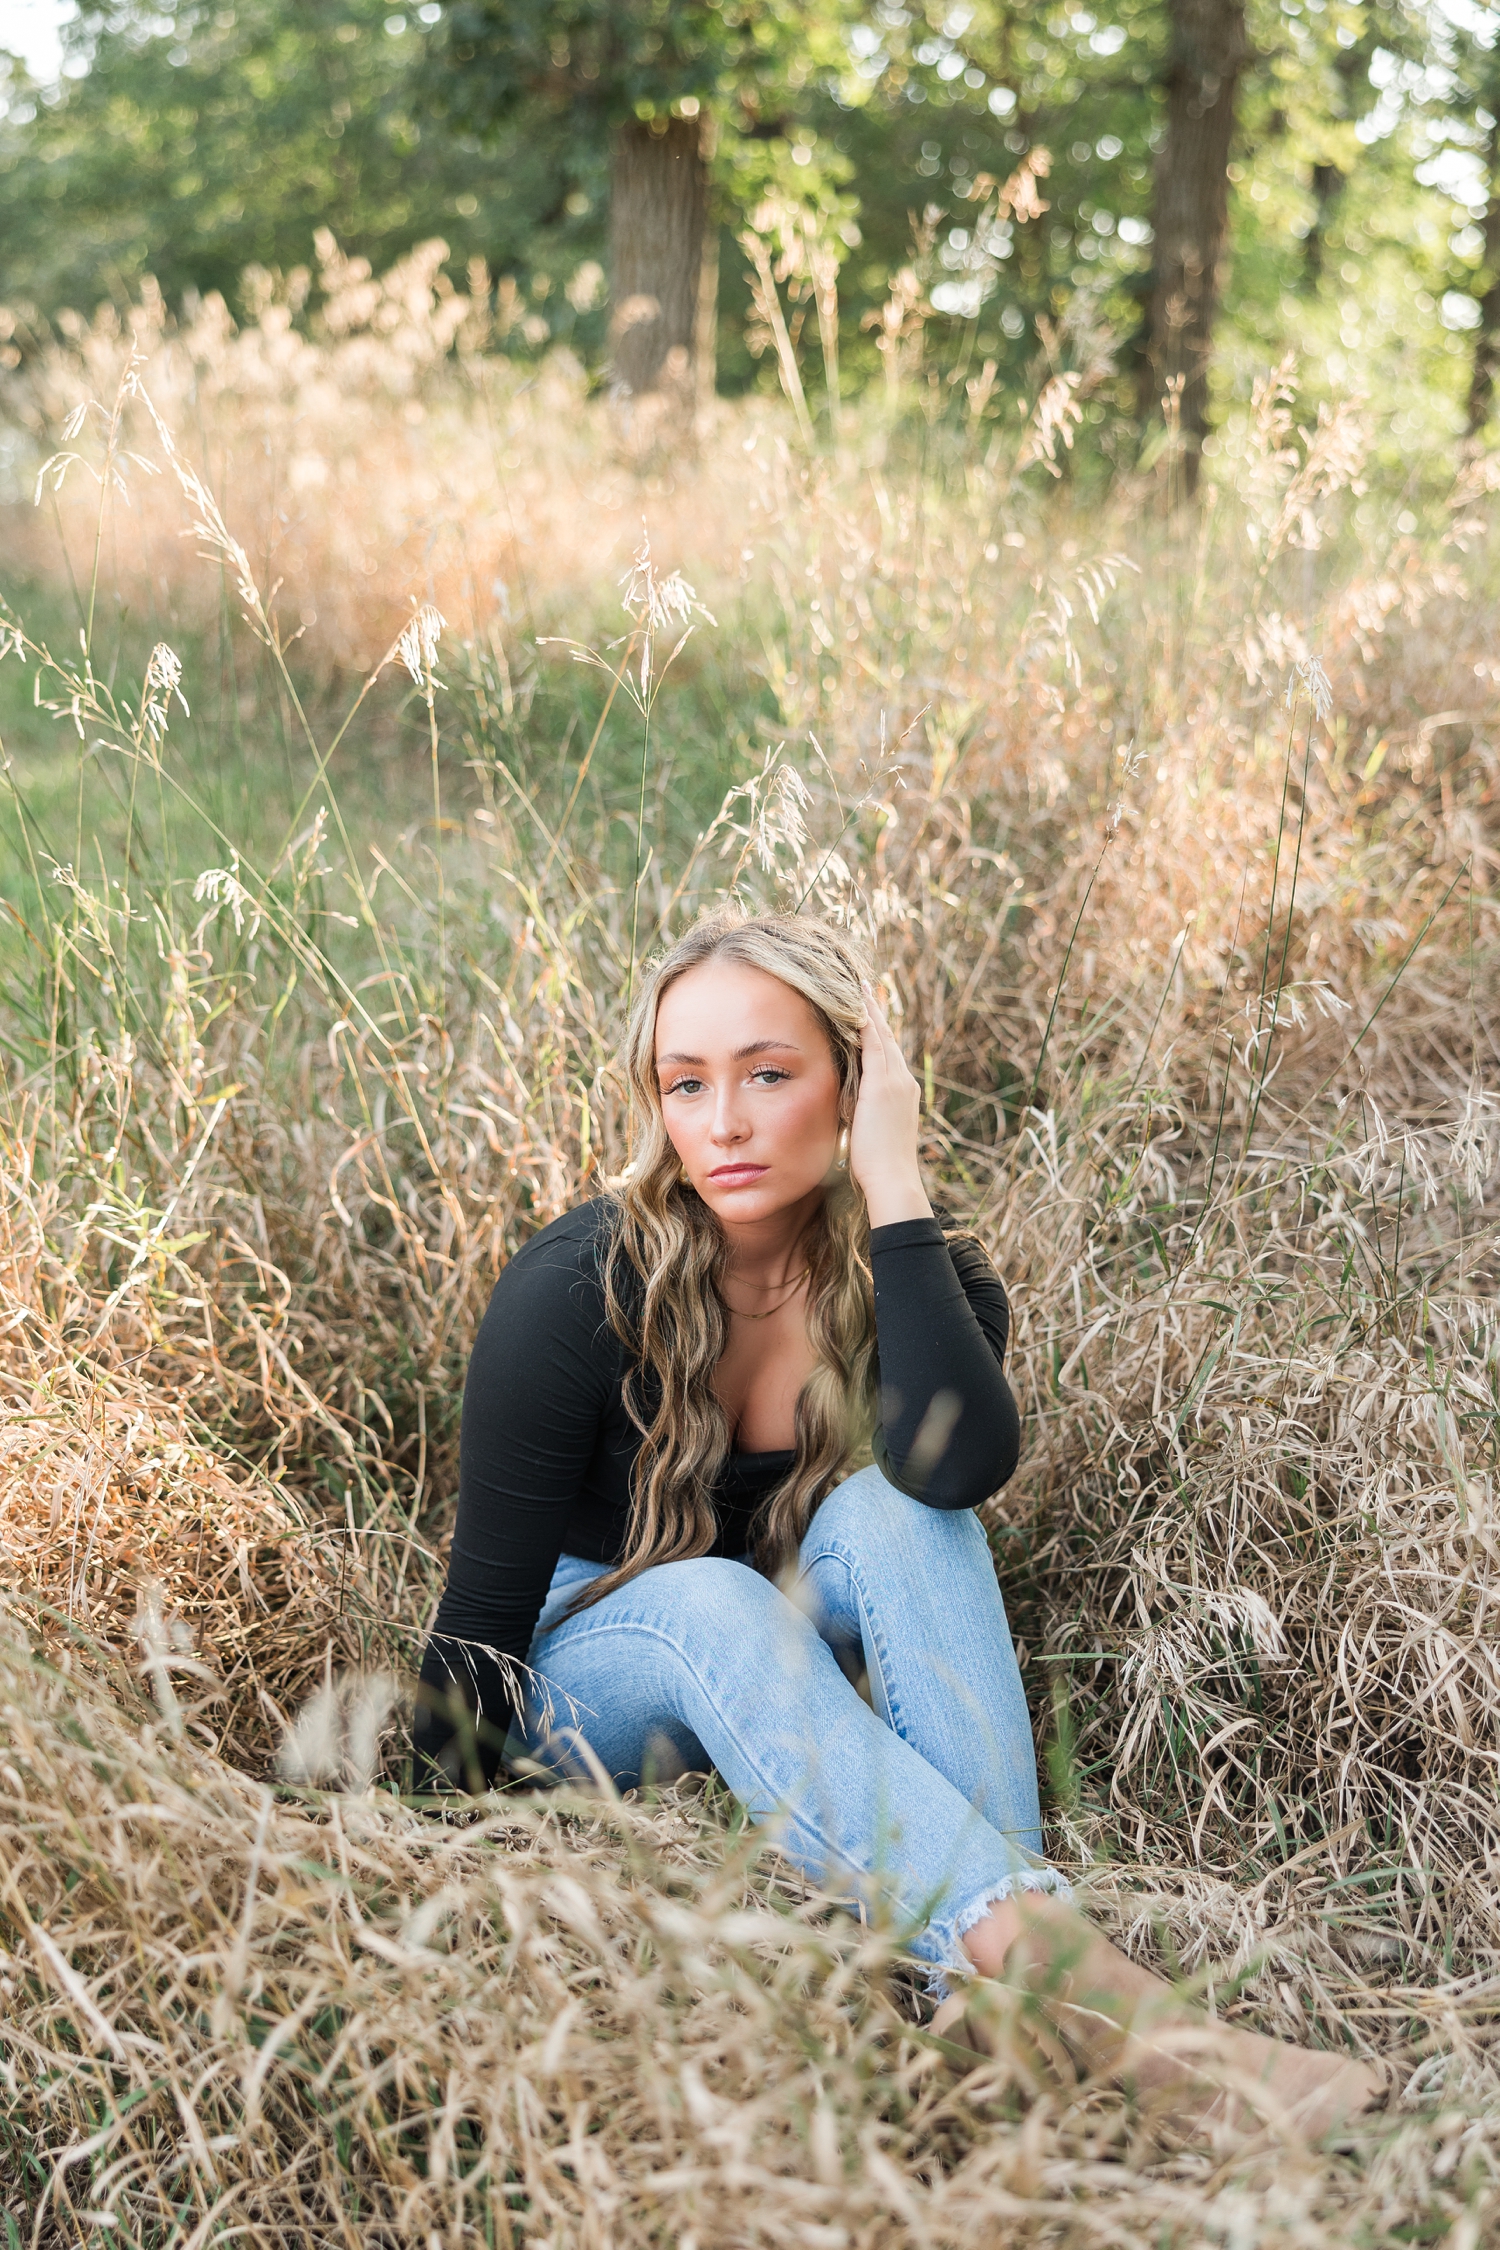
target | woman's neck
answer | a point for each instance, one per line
(770, 1251)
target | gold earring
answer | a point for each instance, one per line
(841, 1161)
(682, 1175)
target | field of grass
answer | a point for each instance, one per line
(1175, 834)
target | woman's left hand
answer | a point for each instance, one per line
(883, 1135)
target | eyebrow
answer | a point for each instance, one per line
(756, 1047)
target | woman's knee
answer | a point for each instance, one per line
(708, 1585)
(709, 1603)
(662, 1655)
(866, 1513)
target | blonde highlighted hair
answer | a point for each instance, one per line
(665, 1261)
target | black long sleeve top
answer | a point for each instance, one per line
(547, 1446)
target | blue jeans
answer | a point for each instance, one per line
(925, 1806)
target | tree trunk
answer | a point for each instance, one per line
(1487, 336)
(1351, 70)
(1328, 184)
(1191, 209)
(657, 211)
(706, 336)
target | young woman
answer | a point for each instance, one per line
(666, 1557)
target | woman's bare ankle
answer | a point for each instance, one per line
(1119, 2021)
(1039, 1946)
(989, 1941)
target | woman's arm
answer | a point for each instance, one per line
(949, 1431)
(950, 1434)
(538, 1384)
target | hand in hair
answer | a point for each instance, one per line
(883, 1132)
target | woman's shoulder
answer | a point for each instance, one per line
(569, 1249)
(550, 1298)
(547, 1322)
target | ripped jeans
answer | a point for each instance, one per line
(925, 1807)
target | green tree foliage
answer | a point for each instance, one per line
(602, 62)
(959, 97)
(965, 91)
(1462, 122)
(661, 84)
(1341, 232)
(194, 143)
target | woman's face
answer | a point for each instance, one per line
(749, 1089)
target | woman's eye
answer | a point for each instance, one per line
(770, 1076)
(685, 1086)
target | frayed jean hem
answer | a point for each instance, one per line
(940, 1947)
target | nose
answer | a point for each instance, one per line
(730, 1125)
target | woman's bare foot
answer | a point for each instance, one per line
(1119, 2022)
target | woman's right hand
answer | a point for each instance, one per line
(883, 1133)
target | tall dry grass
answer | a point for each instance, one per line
(1203, 990)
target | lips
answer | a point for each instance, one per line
(739, 1175)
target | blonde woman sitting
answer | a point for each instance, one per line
(665, 1558)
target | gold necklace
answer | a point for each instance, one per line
(791, 1287)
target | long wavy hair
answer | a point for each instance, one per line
(665, 1262)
